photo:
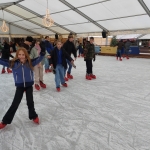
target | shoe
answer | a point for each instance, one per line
(65, 85)
(78, 55)
(88, 77)
(69, 76)
(127, 57)
(58, 89)
(37, 87)
(3, 71)
(116, 58)
(42, 84)
(92, 76)
(120, 59)
(2, 125)
(66, 79)
(9, 71)
(36, 120)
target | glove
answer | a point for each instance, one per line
(53, 70)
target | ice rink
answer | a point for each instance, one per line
(109, 113)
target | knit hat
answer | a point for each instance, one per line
(29, 39)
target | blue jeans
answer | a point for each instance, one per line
(59, 76)
(70, 67)
(46, 64)
(119, 53)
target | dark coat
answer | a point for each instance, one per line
(70, 48)
(6, 52)
(64, 57)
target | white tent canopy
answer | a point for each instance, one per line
(78, 16)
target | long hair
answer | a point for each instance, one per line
(12, 62)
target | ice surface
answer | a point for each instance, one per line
(109, 113)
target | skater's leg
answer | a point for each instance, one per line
(7, 119)
(30, 102)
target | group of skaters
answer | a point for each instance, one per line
(28, 61)
(123, 49)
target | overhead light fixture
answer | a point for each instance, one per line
(4, 27)
(47, 20)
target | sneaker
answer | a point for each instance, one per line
(93, 76)
(36, 120)
(66, 79)
(37, 87)
(2, 125)
(58, 89)
(42, 84)
(3, 71)
(88, 77)
(69, 76)
(65, 85)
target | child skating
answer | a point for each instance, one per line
(89, 55)
(22, 67)
(59, 64)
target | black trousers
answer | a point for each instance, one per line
(7, 119)
(89, 66)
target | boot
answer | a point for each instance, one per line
(9, 71)
(42, 84)
(66, 79)
(65, 85)
(69, 76)
(92, 76)
(37, 87)
(2, 125)
(3, 71)
(58, 89)
(88, 77)
(36, 120)
(47, 70)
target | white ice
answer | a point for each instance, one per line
(109, 113)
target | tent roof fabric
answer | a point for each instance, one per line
(78, 16)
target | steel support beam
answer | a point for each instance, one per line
(5, 5)
(144, 7)
(41, 16)
(28, 20)
(82, 14)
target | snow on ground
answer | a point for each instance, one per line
(109, 113)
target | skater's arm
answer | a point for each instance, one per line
(5, 62)
(38, 59)
(67, 56)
